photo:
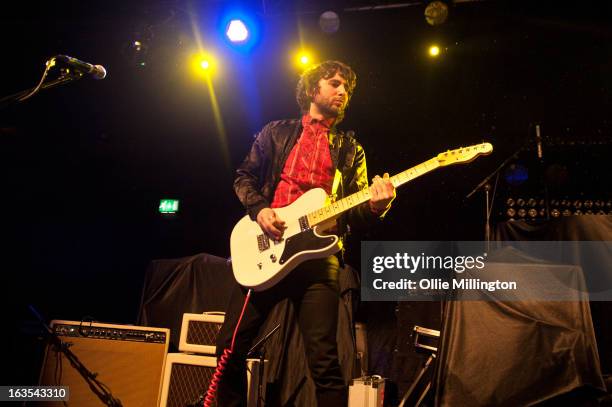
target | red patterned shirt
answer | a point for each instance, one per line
(309, 164)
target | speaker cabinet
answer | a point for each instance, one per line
(128, 360)
(186, 378)
(199, 332)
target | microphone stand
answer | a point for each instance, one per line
(262, 355)
(542, 165)
(200, 400)
(66, 76)
(95, 385)
(484, 184)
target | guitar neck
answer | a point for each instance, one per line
(335, 209)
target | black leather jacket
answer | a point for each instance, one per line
(259, 173)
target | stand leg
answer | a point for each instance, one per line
(416, 382)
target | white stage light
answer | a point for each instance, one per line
(237, 31)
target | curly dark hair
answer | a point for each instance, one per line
(308, 85)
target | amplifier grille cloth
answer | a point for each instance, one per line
(203, 333)
(131, 370)
(187, 383)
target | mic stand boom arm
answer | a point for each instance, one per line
(484, 184)
(258, 346)
(65, 77)
(99, 388)
(262, 356)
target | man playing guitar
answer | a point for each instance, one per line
(287, 159)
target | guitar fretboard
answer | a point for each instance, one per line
(335, 209)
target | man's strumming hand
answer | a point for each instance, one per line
(270, 223)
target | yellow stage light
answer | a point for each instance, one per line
(434, 51)
(203, 64)
(303, 59)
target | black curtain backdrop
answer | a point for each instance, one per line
(516, 353)
(576, 228)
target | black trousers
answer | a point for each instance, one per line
(313, 289)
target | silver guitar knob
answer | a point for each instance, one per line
(273, 258)
(259, 265)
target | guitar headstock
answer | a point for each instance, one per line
(464, 154)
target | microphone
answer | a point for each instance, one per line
(539, 141)
(97, 71)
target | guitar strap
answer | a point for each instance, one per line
(334, 191)
(338, 175)
(335, 185)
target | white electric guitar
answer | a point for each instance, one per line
(260, 262)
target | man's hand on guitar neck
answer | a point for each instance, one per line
(382, 193)
(270, 223)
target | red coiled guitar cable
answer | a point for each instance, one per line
(211, 393)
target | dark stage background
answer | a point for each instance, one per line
(84, 165)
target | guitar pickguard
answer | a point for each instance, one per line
(304, 241)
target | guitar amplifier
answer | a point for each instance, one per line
(128, 360)
(199, 332)
(367, 391)
(186, 378)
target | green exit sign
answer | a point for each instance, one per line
(168, 205)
